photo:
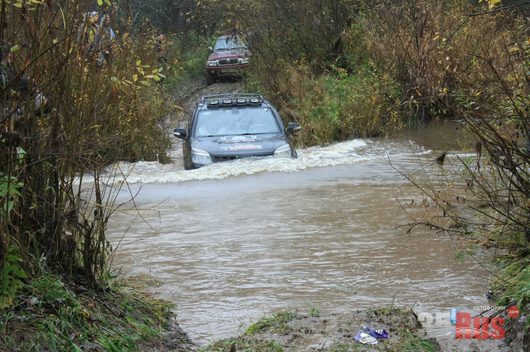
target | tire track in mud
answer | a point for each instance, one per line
(188, 100)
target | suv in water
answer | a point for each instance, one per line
(229, 57)
(233, 126)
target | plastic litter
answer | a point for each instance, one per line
(378, 334)
(365, 338)
(369, 336)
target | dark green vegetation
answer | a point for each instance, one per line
(276, 323)
(514, 282)
(292, 331)
(54, 316)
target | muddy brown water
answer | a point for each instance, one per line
(232, 242)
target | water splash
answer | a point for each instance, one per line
(344, 153)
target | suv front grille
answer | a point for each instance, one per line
(217, 159)
(228, 61)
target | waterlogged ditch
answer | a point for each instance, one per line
(232, 242)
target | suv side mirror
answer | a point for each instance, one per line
(210, 48)
(293, 127)
(180, 133)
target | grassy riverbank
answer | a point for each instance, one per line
(512, 287)
(52, 314)
(296, 331)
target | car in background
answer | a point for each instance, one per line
(234, 126)
(229, 57)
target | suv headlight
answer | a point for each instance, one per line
(283, 151)
(199, 156)
(243, 61)
(211, 63)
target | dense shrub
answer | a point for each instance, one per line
(339, 105)
(73, 100)
(428, 48)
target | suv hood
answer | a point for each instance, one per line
(240, 146)
(228, 54)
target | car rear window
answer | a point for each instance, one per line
(236, 121)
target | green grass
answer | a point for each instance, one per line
(187, 59)
(314, 312)
(51, 315)
(411, 342)
(514, 281)
(273, 323)
(338, 106)
(275, 333)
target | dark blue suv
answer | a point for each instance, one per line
(233, 126)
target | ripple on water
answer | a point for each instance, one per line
(230, 250)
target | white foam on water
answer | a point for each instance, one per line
(344, 153)
(461, 155)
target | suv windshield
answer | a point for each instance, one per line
(236, 121)
(229, 43)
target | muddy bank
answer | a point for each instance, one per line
(54, 314)
(188, 94)
(175, 340)
(314, 331)
(294, 331)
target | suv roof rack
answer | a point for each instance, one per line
(232, 99)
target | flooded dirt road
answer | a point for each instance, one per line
(231, 242)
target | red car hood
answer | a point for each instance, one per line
(229, 54)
